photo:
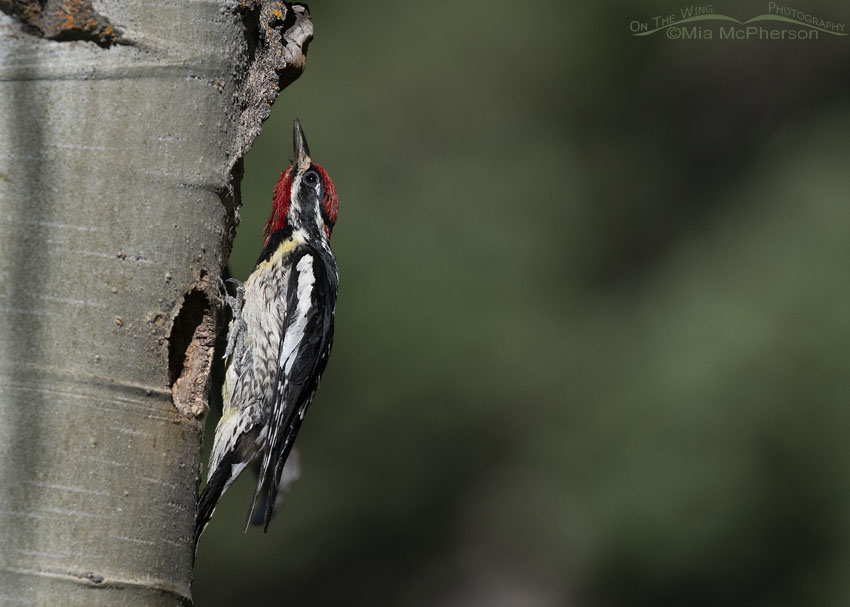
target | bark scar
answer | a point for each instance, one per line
(90, 576)
(63, 20)
(278, 36)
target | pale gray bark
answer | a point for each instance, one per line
(120, 160)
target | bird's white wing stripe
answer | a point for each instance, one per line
(295, 333)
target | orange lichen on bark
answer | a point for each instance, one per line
(63, 20)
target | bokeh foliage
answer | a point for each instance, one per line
(592, 328)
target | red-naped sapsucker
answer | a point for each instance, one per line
(279, 340)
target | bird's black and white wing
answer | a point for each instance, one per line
(305, 345)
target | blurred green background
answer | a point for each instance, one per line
(592, 325)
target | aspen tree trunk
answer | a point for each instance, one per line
(122, 128)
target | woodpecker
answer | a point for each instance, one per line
(279, 339)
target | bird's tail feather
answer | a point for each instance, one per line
(215, 487)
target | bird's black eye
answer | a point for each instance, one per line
(311, 179)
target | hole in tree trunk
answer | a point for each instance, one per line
(191, 347)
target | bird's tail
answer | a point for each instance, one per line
(291, 473)
(226, 470)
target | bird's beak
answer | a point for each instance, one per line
(299, 146)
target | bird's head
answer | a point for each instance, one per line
(304, 197)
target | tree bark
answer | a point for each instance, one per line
(122, 132)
